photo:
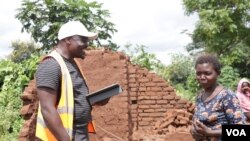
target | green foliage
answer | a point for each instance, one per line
(13, 78)
(179, 69)
(180, 73)
(22, 51)
(223, 28)
(229, 77)
(222, 24)
(42, 19)
(141, 57)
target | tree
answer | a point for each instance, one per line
(141, 57)
(229, 77)
(22, 51)
(42, 19)
(180, 68)
(223, 28)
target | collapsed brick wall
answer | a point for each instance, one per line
(144, 101)
(103, 68)
(152, 103)
(28, 111)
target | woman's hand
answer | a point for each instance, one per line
(195, 134)
(201, 128)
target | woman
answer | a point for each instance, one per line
(243, 93)
(215, 105)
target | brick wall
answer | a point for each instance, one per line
(145, 100)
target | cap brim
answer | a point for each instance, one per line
(91, 35)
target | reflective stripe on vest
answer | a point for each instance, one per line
(65, 106)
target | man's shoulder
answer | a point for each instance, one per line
(49, 61)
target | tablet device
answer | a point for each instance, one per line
(104, 93)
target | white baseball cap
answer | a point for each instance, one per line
(72, 28)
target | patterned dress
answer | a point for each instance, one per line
(224, 108)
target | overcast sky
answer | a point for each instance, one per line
(156, 24)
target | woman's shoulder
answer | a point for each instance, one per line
(227, 93)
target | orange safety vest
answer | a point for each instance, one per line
(65, 106)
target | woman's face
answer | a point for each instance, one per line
(206, 75)
(245, 88)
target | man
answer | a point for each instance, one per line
(64, 112)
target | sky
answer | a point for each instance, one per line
(157, 24)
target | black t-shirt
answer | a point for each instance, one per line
(49, 75)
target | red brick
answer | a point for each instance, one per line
(168, 106)
(155, 106)
(156, 97)
(150, 93)
(155, 114)
(142, 84)
(133, 93)
(156, 89)
(161, 110)
(132, 85)
(143, 97)
(177, 97)
(143, 89)
(179, 106)
(150, 84)
(26, 109)
(28, 96)
(134, 106)
(147, 119)
(24, 132)
(169, 97)
(162, 84)
(142, 71)
(168, 89)
(132, 80)
(143, 80)
(161, 93)
(157, 79)
(144, 123)
(149, 110)
(134, 111)
(131, 76)
(141, 93)
(133, 89)
(144, 114)
(144, 106)
(182, 101)
(28, 90)
(173, 102)
(132, 70)
(147, 102)
(172, 93)
(161, 101)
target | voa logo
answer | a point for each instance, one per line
(236, 132)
